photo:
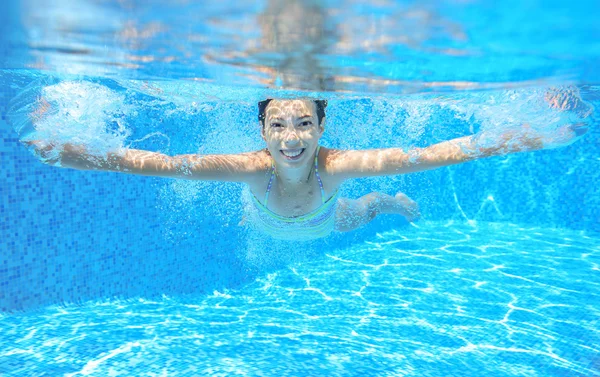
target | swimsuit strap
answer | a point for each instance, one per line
(316, 174)
(270, 183)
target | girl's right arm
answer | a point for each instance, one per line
(242, 167)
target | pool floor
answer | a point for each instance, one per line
(438, 300)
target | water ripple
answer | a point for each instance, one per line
(463, 301)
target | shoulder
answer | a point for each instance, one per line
(332, 159)
(328, 156)
(258, 164)
(255, 163)
(259, 160)
(329, 160)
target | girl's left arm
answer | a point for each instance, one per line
(392, 161)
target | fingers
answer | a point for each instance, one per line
(44, 150)
(36, 143)
(41, 145)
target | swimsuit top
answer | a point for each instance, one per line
(315, 224)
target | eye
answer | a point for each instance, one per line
(276, 125)
(306, 123)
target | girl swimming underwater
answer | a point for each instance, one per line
(294, 181)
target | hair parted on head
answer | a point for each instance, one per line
(320, 103)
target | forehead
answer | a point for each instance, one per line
(290, 108)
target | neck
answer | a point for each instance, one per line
(295, 177)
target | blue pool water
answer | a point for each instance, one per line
(441, 300)
(107, 274)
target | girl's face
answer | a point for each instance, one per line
(292, 132)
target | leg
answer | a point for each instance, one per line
(352, 214)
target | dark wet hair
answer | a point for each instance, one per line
(262, 106)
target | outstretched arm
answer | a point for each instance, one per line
(234, 167)
(243, 167)
(392, 161)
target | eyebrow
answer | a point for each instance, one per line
(281, 119)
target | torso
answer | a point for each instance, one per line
(296, 201)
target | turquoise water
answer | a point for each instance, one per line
(107, 274)
(442, 299)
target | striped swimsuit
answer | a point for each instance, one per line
(315, 224)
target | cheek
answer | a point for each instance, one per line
(272, 138)
(314, 133)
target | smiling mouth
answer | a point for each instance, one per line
(292, 154)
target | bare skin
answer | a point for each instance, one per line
(291, 131)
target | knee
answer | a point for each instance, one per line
(371, 204)
(373, 208)
(373, 196)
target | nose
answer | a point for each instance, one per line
(291, 138)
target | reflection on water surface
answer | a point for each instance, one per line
(380, 47)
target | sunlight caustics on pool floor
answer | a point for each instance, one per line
(482, 299)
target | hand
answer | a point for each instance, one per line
(568, 99)
(561, 137)
(52, 153)
(44, 150)
(528, 139)
(575, 111)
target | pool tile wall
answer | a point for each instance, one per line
(555, 188)
(68, 236)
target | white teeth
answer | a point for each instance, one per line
(292, 153)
